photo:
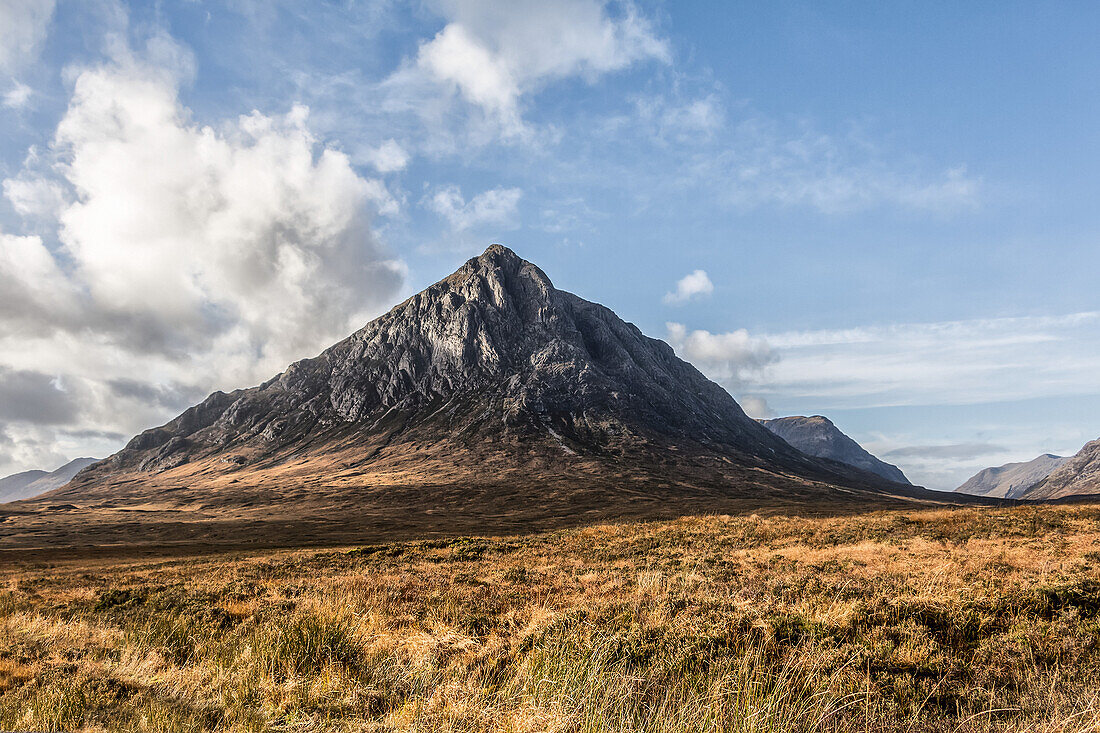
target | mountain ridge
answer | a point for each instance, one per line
(1077, 476)
(1012, 480)
(28, 484)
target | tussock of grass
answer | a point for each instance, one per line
(960, 620)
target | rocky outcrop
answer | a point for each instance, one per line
(1012, 480)
(818, 436)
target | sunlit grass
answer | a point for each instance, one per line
(940, 620)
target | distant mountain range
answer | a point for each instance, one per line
(489, 401)
(1012, 480)
(1044, 478)
(29, 484)
(1077, 476)
(818, 436)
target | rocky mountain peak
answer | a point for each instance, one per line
(501, 278)
(491, 358)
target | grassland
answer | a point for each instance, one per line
(971, 619)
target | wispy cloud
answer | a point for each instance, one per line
(957, 450)
(767, 163)
(734, 359)
(18, 96)
(23, 27)
(387, 157)
(936, 374)
(955, 362)
(498, 207)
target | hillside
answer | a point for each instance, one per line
(818, 436)
(1012, 480)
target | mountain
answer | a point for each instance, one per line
(1012, 480)
(32, 483)
(491, 401)
(818, 436)
(1078, 475)
(13, 487)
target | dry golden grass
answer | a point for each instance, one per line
(935, 620)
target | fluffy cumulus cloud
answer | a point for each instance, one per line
(491, 54)
(497, 207)
(203, 230)
(692, 285)
(182, 257)
(735, 359)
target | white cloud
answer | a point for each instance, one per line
(762, 163)
(756, 407)
(496, 207)
(18, 96)
(387, 157)
(185, 258)
(685, 121)
(673, 143)
(34, 292)
(491, 54)
(690, 286)
(34, 196)
(732, 358)
(248, 228)
(949, 363)
(930, 373)
(23, 27)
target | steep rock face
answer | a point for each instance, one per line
(818, 436)
(32, 483)
(1012, 480)
(1077, 476)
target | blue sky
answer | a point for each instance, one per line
(882, 212)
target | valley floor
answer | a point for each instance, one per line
(961, 619)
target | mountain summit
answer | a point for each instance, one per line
(490, 396)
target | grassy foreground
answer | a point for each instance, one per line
(938, 620)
